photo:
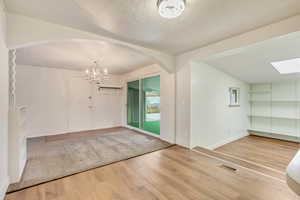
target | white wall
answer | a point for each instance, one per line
(3, 104)
(183, 105)
(213, 122)
(167, 98)
(58, 101)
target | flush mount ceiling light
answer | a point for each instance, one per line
(170, 8)
(287, 66)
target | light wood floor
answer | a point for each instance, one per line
(272, 153)
(170, 174)
(235, 161)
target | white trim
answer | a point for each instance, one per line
(274, 135)
(131, 80)
(142, 131)
(150, 75)
(140, 102)
(226, 141)
(72, 131)
(182, 144)
(3, 187)
(140, 77)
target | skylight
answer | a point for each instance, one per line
(287, 66)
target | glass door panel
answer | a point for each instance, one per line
(133, 98)
(150, 104)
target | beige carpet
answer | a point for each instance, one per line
(54, 157)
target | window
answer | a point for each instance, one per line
(287, 66)
(234, 97)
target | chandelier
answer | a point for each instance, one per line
(170, 8)
(96, 74)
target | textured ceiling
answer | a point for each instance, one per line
(137, 21)
(253, 64)
(80, 54)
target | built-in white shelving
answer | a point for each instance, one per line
(275, 109)
(276, 117)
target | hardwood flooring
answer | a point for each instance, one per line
(268, 152)
(170, 174)
(234, 161)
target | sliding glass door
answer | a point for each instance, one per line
(133, 99)
(143, 104)
(150, 103)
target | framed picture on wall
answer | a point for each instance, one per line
(234, 96)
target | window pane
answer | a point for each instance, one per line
(150, 104)
(133, 103)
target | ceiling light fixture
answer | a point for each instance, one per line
(287, 66)
(170, 8)
(96, 74)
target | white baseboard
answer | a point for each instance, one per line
(275, 136)
(183, 144)
(228, 140)
(3, 187)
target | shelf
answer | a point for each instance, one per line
(260, 101)
(275, 110)
(274, 117)
(279, 101)
(274, 134)
(260, 92)
(270, 131)
(262, 130)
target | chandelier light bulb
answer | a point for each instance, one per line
(105, 71)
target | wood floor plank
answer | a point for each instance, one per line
(242, 163)
(269, 152)
(171, 174)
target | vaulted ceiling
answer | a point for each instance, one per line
(137, 21)
(80, 54)
(252, 64)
